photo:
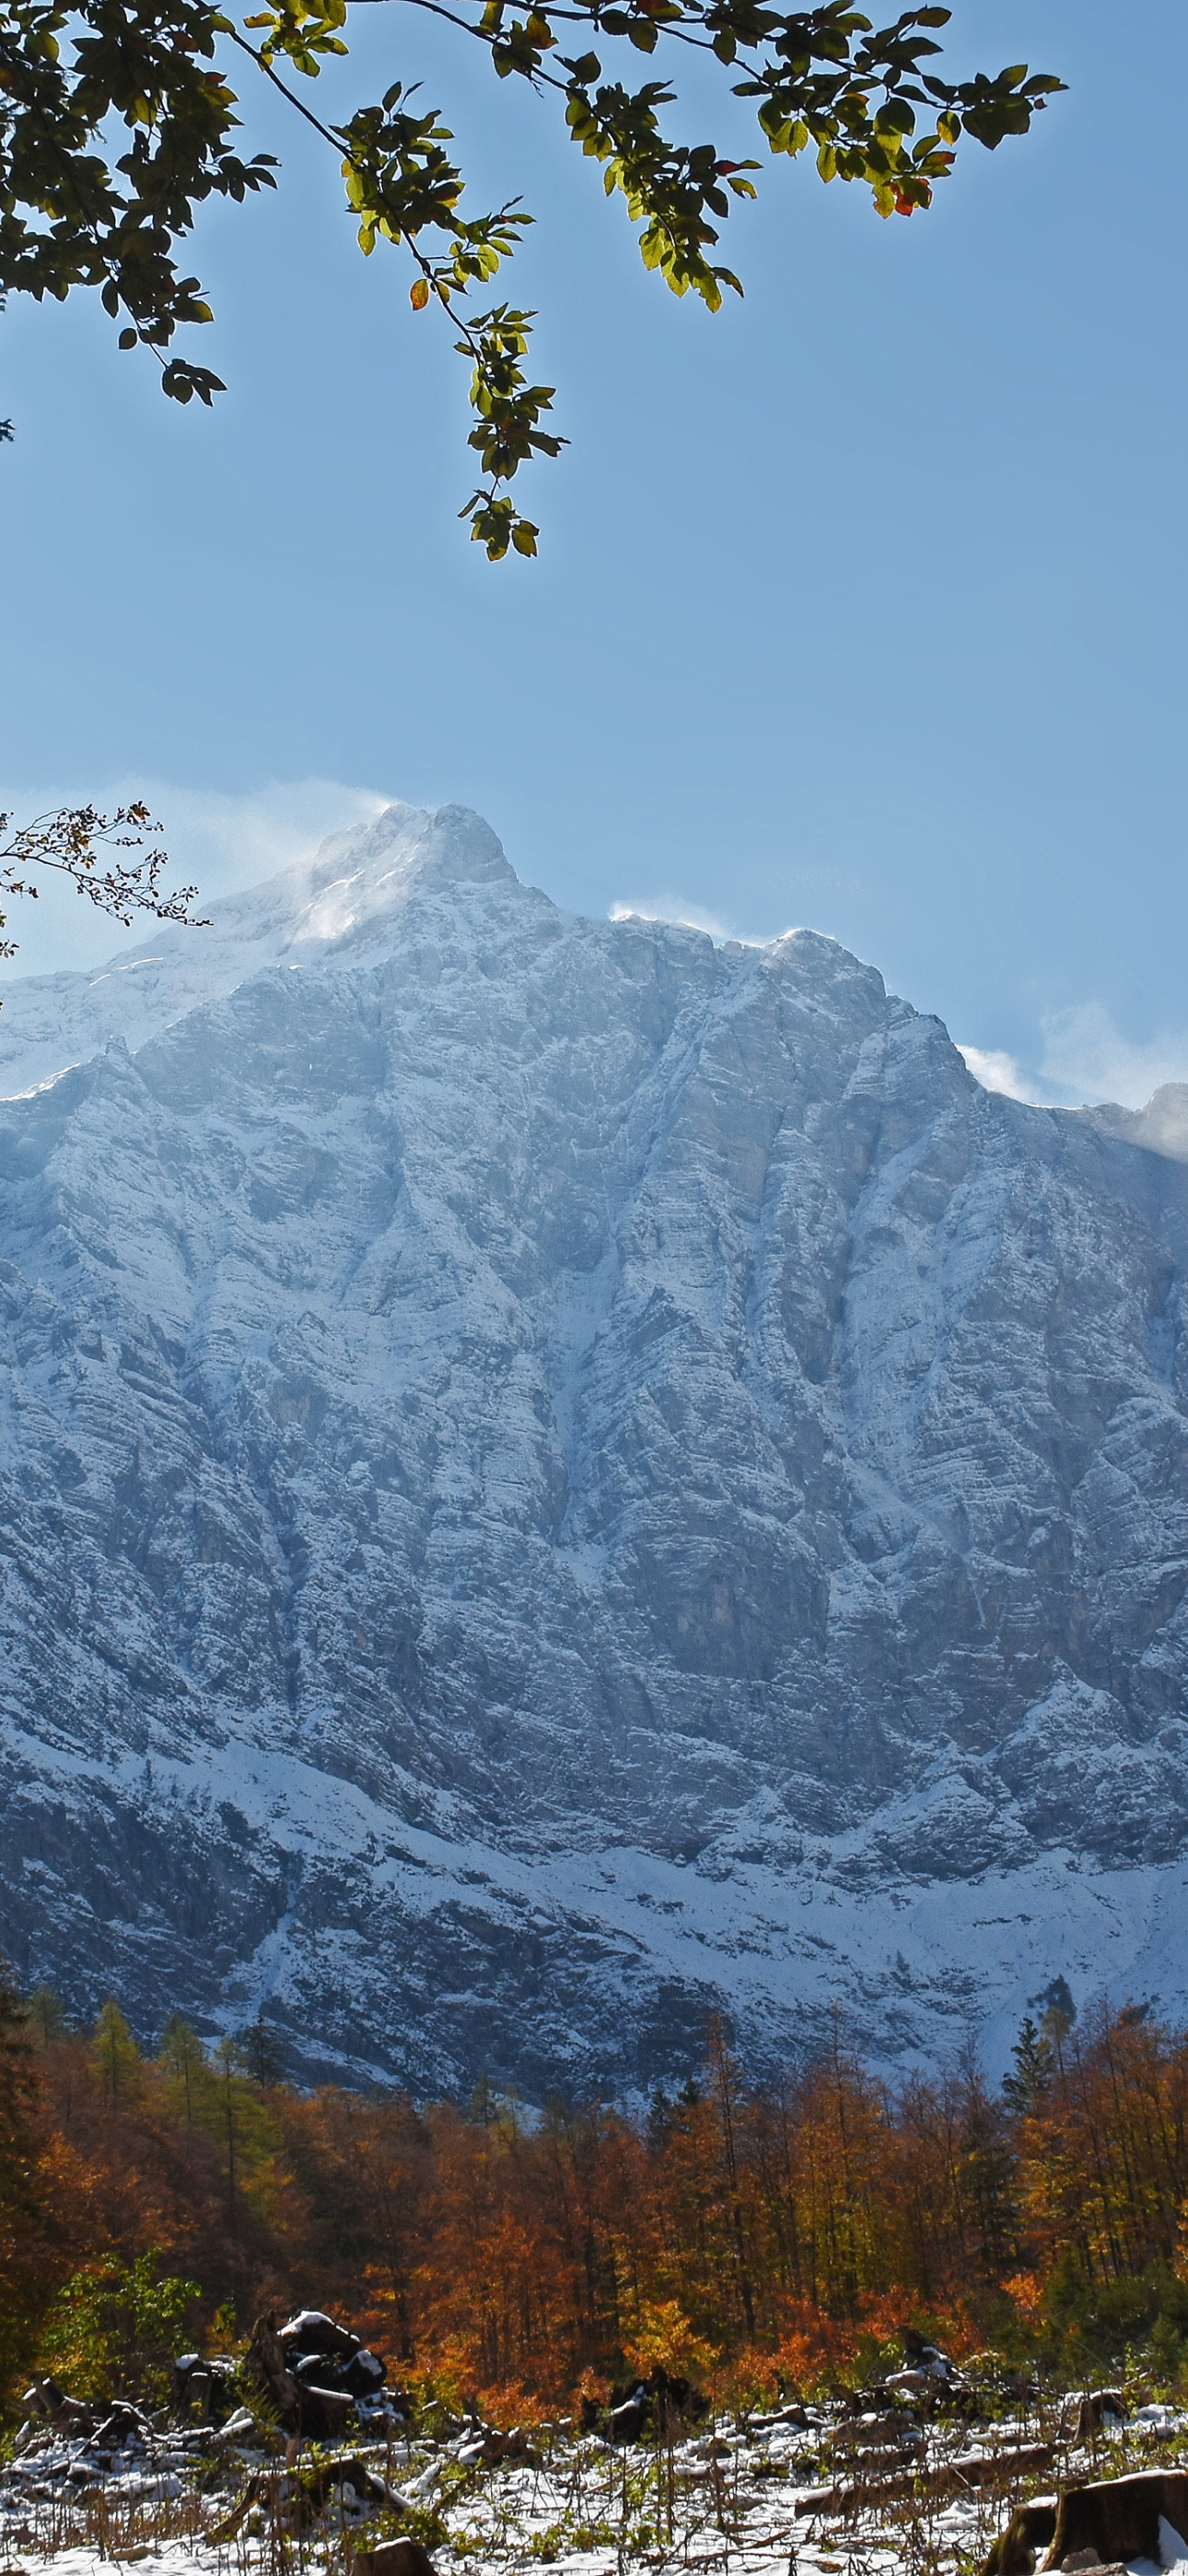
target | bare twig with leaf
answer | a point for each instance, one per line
(74, 841)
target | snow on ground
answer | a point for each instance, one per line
(830, 2497)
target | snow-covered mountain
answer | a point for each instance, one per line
(555, 1473)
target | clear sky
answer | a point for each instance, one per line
(861, 605)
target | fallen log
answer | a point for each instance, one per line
(930, 2486)
(492, 2449)
(295, 2498)
(869, 2430)
(996, 2468)
(821, 2499)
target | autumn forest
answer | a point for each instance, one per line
(753, 2234)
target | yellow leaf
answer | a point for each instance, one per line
(418, 294)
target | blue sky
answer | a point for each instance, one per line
(859, 606)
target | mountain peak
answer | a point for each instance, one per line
(357, 878)
(358, 875)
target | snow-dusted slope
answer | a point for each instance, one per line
(554, 1473)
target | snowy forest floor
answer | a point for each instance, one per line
(781, 2501)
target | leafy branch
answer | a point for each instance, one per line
(401, 183)
(75, 209)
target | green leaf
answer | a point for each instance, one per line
(110, 147)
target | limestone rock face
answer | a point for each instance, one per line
(555, 1474)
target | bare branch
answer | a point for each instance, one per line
(72, 841)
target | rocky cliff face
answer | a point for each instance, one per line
(552, 1474)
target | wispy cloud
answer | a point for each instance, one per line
(1087, 1058)
(236, 840)
(1084, 1059)
(997, 1071)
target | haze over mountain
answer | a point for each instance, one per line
(554, 1474)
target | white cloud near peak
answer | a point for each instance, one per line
(1084, 1060)
(997, 1071)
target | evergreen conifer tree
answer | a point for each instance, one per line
(1034, 2060)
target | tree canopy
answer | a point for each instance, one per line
(119, 118)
